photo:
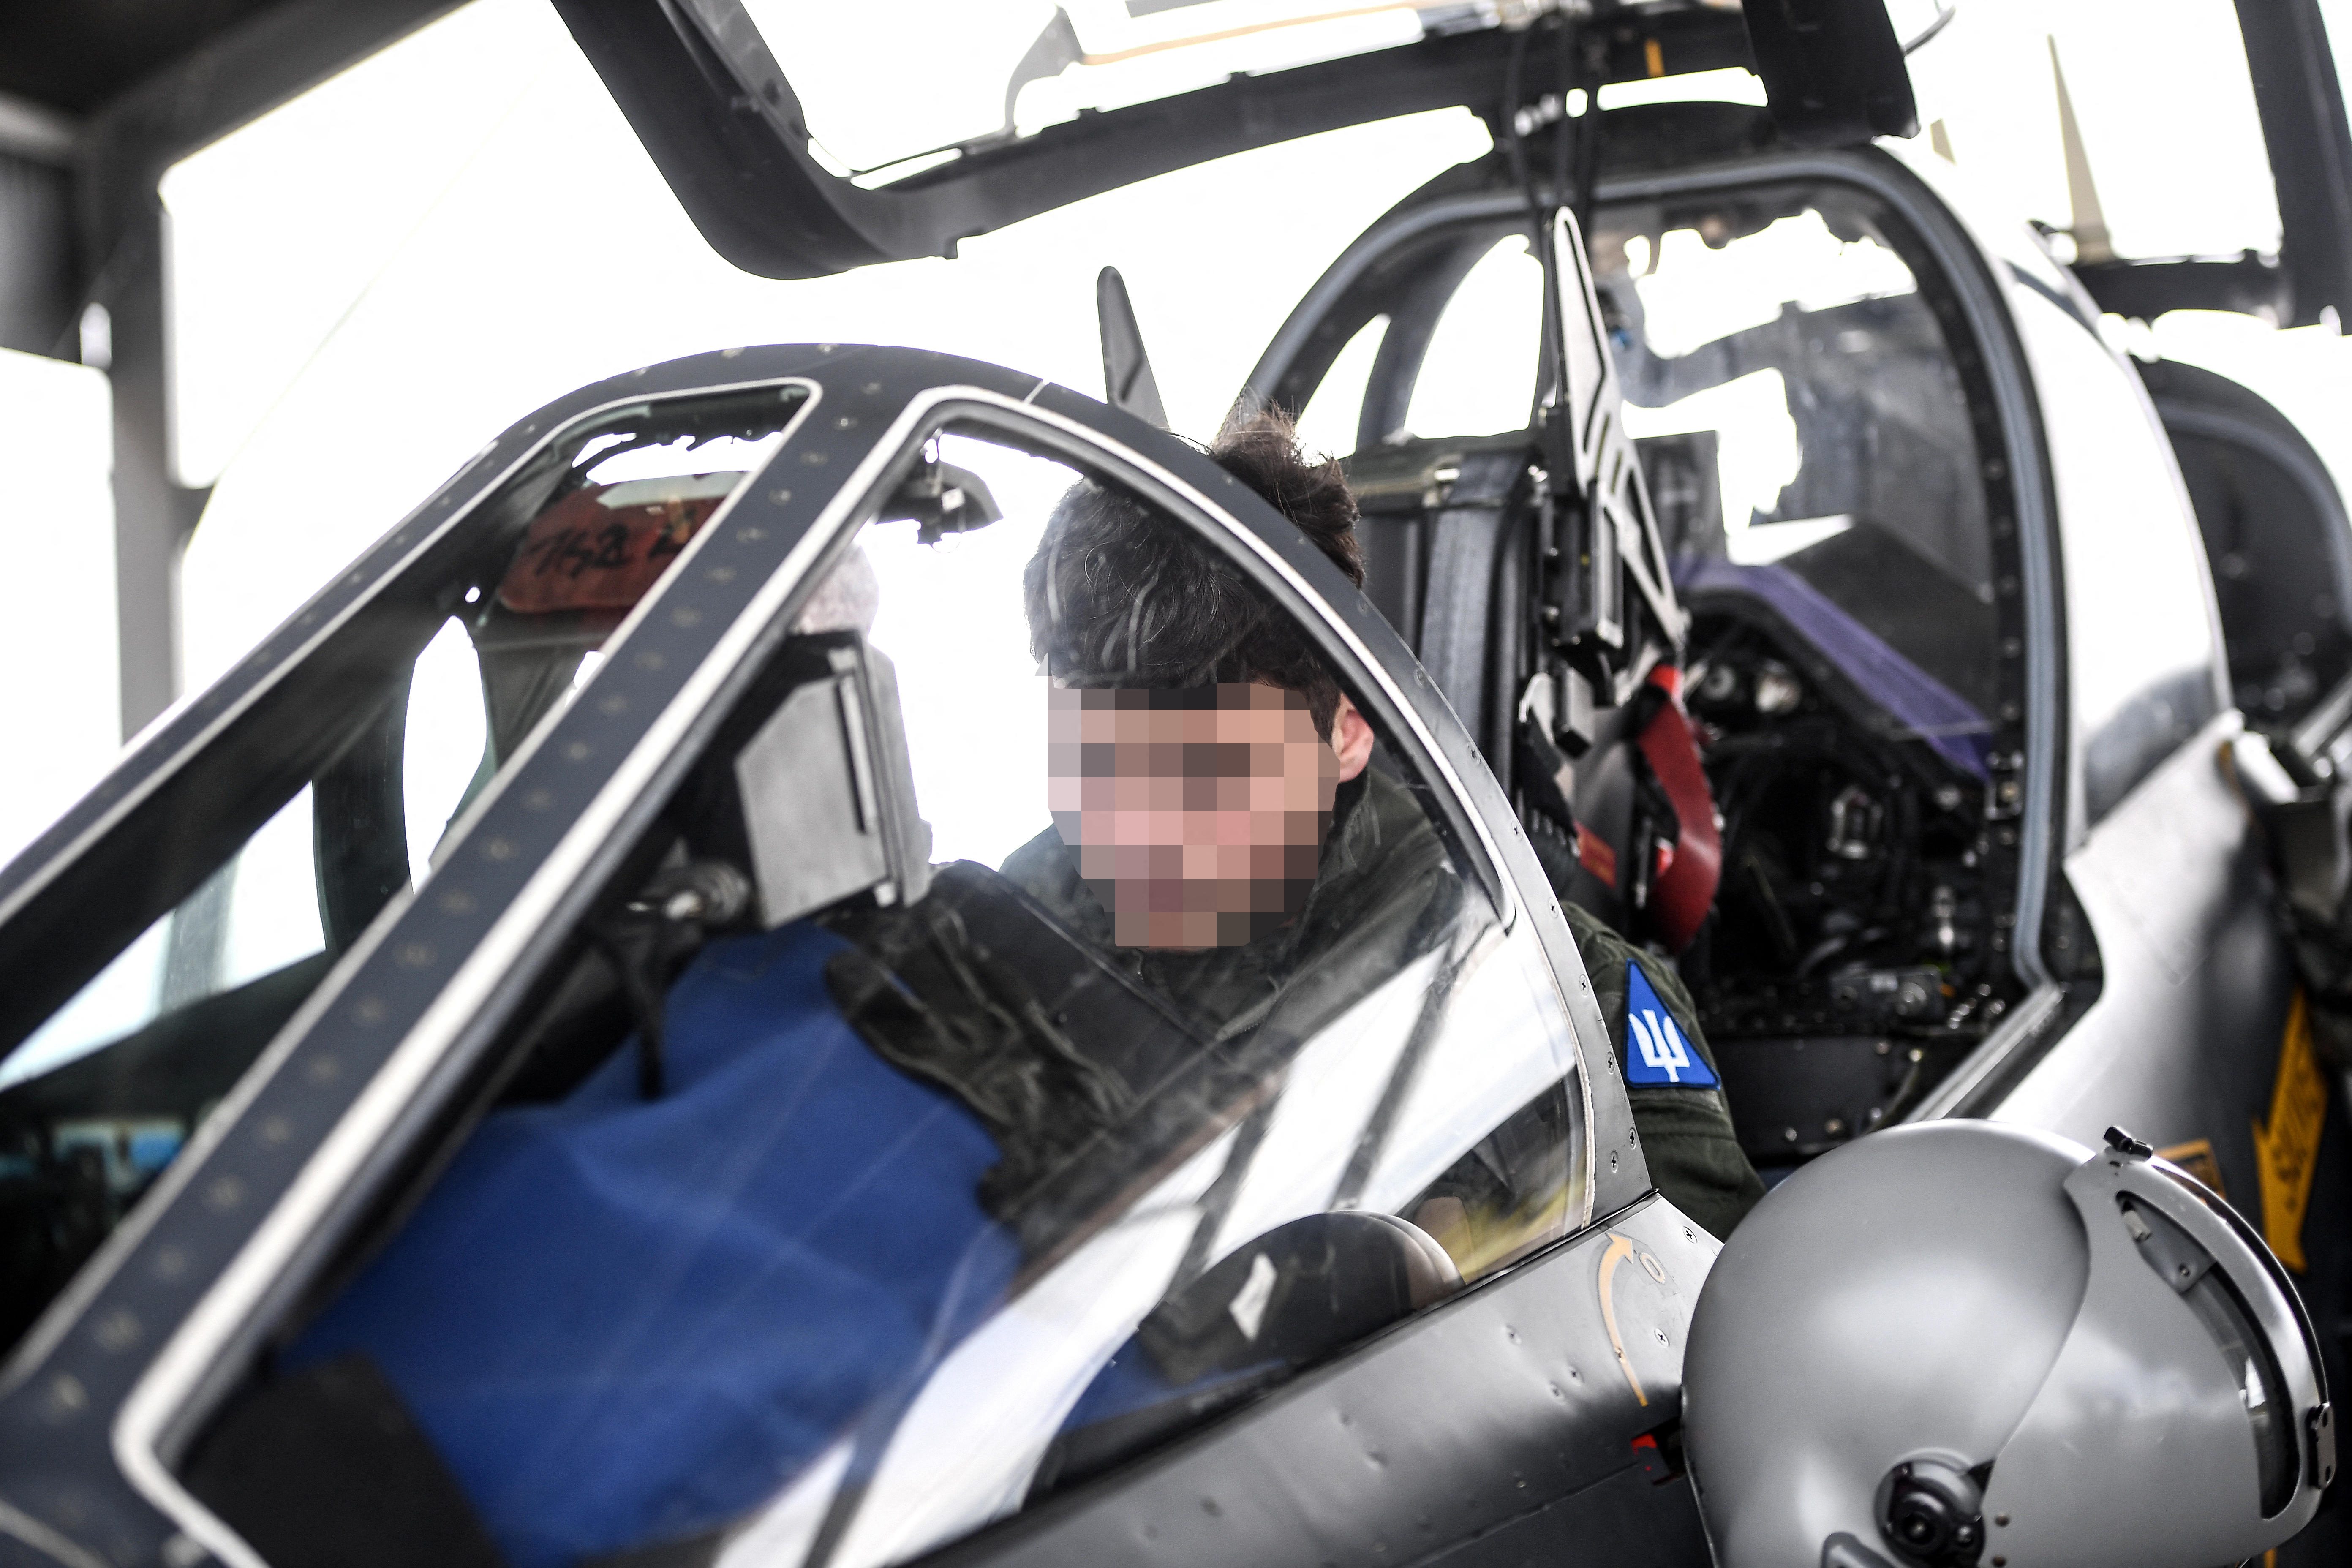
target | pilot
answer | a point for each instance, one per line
(1225, 887)
(1226, 892)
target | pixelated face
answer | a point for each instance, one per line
(1198, 816)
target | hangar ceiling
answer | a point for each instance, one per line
(76, 56)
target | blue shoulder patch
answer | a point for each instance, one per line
(1655, 1050)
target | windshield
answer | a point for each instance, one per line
(232, 889)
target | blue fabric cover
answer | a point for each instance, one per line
(623, 1321)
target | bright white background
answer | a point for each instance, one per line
(373, 281)
(2174, 146)
(413, 293)
(59, 703)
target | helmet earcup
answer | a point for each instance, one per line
(1932, 1512)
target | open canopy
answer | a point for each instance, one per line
(796, 157)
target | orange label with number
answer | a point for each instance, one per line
(601, 547)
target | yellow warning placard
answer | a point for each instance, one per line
(2286, 1146)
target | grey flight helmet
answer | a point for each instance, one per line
(1967, 1342)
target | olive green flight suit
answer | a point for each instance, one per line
(1686, 1137)
(1382, 849)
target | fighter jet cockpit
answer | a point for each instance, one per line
(1043, 998)
(1817, 441)
(1853, 662)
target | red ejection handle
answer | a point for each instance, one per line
(1680, 897)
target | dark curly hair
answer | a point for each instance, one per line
(1119, 594)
